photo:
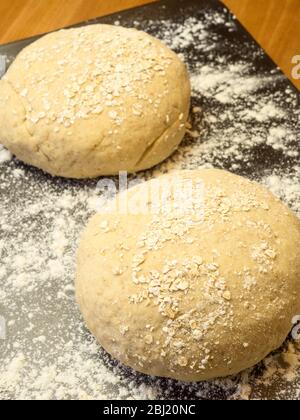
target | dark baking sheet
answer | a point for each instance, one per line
(55, 316)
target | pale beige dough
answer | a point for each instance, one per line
(193, 296)
(94, 101)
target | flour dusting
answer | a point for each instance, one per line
(5, 155)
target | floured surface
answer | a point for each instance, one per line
(245, 119)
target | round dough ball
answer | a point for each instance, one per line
(194, 294)
(94, 101)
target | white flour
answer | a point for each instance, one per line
(47, 352)
(5, 155)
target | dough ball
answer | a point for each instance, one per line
(194, 294)
(94, 101)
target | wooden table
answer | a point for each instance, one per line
(274, 23)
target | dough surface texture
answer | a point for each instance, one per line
(192, 295)
(92, 101)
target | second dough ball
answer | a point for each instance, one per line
(93, 101)
(200, 278)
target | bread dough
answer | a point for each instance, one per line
(192, 295)
(93, 101)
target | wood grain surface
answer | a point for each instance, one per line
(275, 24)
(23, 18)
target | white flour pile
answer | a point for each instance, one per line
(245, 119)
